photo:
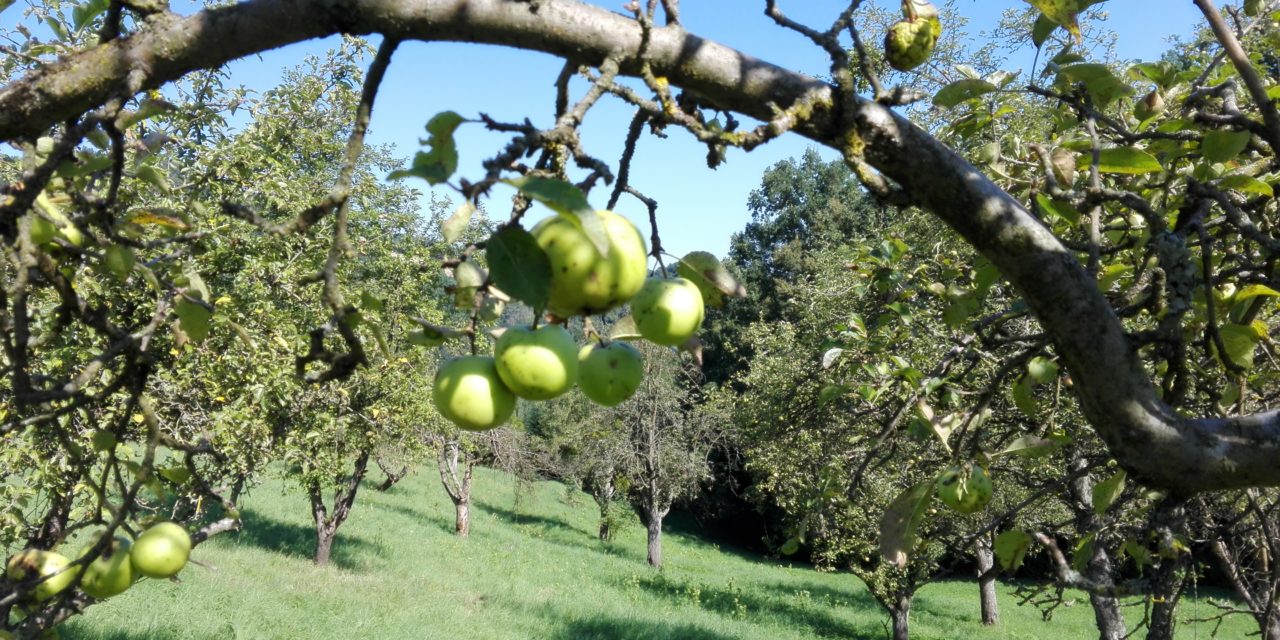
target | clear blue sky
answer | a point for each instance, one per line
(699, 208)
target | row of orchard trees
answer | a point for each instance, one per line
(189, 304)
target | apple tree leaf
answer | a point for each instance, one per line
(435, 166)
(1105, 493)
(1011, 548)
(453, 228)
(900, 525)
(519, 266)
(711, 277)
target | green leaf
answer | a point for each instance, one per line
(1140, 554)
(435, 166)
(1106, 493)
(177, 474)
(1099, 80)
(567, 201)
(1247, 184)
(557, 195)
(152, 176)
(625, 329)
(1059, 209)
(1024, 397)
(1254, 291)
(1032, 447)
(831, 356)
(1125, 160)
(193, 319)
(960, 91)
(1041, 30)
(431, 335)
(370, 302)
(1240, 341)
(1011, 548)
(1221, 146)
(85, 12)
(145, 111)
(1042, 370)
(519, 267)
(456, 225)
(469, 275)
(118, 260)
(791, 546)
(711, 277)
(1083, 552)
(900, 525)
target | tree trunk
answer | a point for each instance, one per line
(987, 580)
(1167, 584)
(900, 614)
(1106, 609)
(654, 525)
(606, 532)
(462, 519)
(457, 486)
(324, 544)
(343, 499)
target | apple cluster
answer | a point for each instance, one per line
(539, 363)
(159, 552)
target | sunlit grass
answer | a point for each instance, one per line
(531, 569)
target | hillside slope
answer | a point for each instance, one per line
(531, 569)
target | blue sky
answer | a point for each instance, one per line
(698, 208)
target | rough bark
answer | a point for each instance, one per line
(392, 475)
(1152, 441)
(654, 527)
(1170, 574)
(344, 498)
(1106, 608)
(900, 616)
(457, 486)
(986, 558)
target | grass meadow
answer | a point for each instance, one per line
(532, 568)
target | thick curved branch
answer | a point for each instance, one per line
(1146, 435)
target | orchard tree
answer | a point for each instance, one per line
(1138, 232)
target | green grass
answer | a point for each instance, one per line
(531, 569)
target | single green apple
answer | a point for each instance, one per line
(161, 551)
(610, 373)
(668, 311)
(537, 364)
(584, 282)
(29, 563)
(111, 572)
(965, 489)
(469, 392)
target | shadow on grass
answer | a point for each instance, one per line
(549, 523)
(793, 605)
(349, 552)
(603, 628)
(72, 630)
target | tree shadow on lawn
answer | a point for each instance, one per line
(349, 552)
(76, 630)
(548, 523)
(730, 601)
(606, 628)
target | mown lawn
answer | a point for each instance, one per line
(531, 569)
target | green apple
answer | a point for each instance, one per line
(584, 282)
(609, 373)
(111, 572)
(29, 563)
(469, 392)
(668, 311)
(537, 364)
(161, 551)
(965, 489)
